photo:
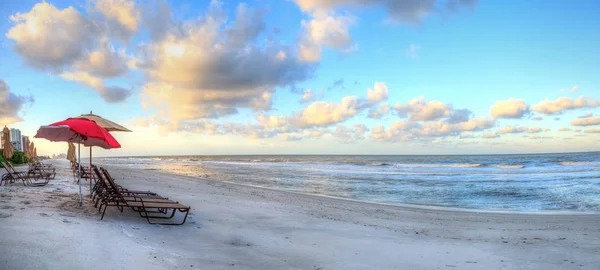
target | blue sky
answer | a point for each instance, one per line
(227, 77)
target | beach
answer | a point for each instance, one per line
(233, 226)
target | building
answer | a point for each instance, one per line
(15, 139)
(25, 144)
(1, 138)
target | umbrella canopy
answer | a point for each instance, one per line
(7, 146)
(76, 130)
(105, 123)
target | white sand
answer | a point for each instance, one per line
(239, 227)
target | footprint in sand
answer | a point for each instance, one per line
(7, 207)
(26, 202)
(4, 215)
(67, 221)
(44, 215)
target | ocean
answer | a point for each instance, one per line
(521, 183)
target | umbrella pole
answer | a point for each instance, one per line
(90, 172)
(79, 171)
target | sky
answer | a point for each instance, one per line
(308, 76)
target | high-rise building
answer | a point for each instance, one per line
(15, 139)
(25, 144)
(1, 139)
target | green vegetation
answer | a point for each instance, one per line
(17, 158)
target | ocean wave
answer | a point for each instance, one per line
(509, 166)
(579, 163)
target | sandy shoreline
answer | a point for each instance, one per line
(241, 227)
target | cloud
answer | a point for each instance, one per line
(594, 130)
(411, 130)
(562, 104)
(122, 11)
(412, 51)
(537, 118)
(339, 83)
(592, 121)
(564, 129)
(379, 112)
(104, 62)
(587, 115)
(377, 94)
(50, 39)
(420, 110)
(67, 43)
(307, 96)
(540, 137)
(520, 129)
(209, 68)
(271, 121)
(289, 138)
(575, 88)
(350, 135)
(11, 104)
(490, 135)
(110, 94)
(405, 11)
(322, 114)
(325, 29)
(511, 108)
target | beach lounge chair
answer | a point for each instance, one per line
(44, 171)
(151, 209)
(84, 171)
(28, 179)
(102, 190)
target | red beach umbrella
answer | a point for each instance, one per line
(81, 131)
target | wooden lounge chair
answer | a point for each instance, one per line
(28, 179)
(37, 168)
(102, 191)
(148, 208)
(85, 171)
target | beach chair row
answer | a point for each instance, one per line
(149, 205)
(37, 174)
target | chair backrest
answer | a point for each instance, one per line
(101, 180)
(9, 168)
(110, 181)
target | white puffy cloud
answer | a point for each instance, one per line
(271, 121)
(10, 105)
(67, 43)
(405, 11)
(593, 130)
(288, 137)
(321, 113)
(420, 110)
(50, 39)
(592, 121)
(549, 107)
(377, 94)
(210, 68)
(511, 108)
(307, 96)
(409, 130)
(587, 115)
(325, 29)
(564, 129)
(122, 11)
